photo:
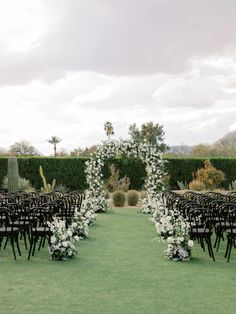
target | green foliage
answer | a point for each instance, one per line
(182, 185)
(84, 152)
(208, 176)
(24, 184)
(47, 187)
(13, 174)
(54, 140)
(61, 188)
(70, 170)
(23, 148)
(118, 198)
(232, 186)
(108, 128)
(132, 198)
(149, 132)
(115, 183)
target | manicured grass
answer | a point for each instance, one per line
(119, 269)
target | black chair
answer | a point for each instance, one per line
(230, 233)
(39, 229)
(200, 220)
(8, 230)
(222, 223)
(22, 221)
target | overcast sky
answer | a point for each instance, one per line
(68, 66)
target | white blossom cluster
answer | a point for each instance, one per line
(173, 229)
(146, 152)
(62, 240)
(80, 225)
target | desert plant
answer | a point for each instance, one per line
(197, 185)
(116, 184)
(182, 185)
(208, 177)
(61, 188)
(118, 198)
(232, 186)
(24, 184)
(13, 174)
(47, 188)
(132, 198)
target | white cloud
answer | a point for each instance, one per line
(67, 67)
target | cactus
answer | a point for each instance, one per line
(47, 188)
(13, 174)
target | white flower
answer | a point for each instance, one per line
(190, 243)
(65, 243)
(53, 239)
(76, 238)
(69, 233)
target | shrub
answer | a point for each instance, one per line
(143, 194)
(118, 198)
(182, 185)
(116, 184)
(132, 198)
(196, 185)
(24, 184)
(208, 177)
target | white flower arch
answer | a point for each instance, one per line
(150, 155)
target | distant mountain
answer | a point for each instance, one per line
(228, 141)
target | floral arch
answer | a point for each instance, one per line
(151, 156)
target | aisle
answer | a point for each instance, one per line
(122, 248)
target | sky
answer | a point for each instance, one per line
(68, 66)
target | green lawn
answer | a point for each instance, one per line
(119, 269)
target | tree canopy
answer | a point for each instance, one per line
(149, 132)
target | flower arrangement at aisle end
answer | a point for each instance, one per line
(80, 226)
(174, 229)
(62, 242)
(179, 244)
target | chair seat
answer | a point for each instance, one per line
(41, 230)
(9, 229)
(231, 232)
(19, 223)
(201, 231)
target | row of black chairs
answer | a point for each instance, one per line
(207, 213)
(29, 219)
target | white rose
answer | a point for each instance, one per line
(190, 243)
(53, 239)
(69, 233)
(76, 238)
(65, 243)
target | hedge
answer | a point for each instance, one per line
(70, 171)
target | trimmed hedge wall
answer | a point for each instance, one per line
(70, 171)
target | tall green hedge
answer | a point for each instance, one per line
(70, 171)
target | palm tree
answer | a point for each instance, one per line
(54, 140)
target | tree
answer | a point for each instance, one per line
(149, 132)
(54, 140)
(86, 152)
(23, 148)
(108, 129)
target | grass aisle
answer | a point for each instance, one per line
(119, 269)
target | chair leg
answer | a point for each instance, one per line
(25, 241)
(210, 250)
(31, 246)
(17, 244)
(227, 247)
(5, 243)
(230, 248)
(35, 241)
(13, 247)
